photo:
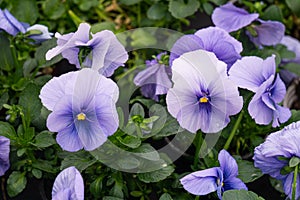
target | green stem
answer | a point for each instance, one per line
(232, 133)
(197, 198)
(295, 183)
(198, 142)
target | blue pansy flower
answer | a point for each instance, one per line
(218, 179)
(10, 24)
(83, 105)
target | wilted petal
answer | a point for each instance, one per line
(4, 154)
(10, 24)
(231, 18)
(54, 90)
(268, 33)
(69, 182)
(227, 164)
(201, 182)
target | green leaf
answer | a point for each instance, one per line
(146, 151)
(44, 139)
(111, 198)
(16, 183)
(165, 196)
(25, 11)
(30, 102)
(103, 26)
(3, 99)
(294, 6)
(6, 56)
(81, 160)
(295, 116)
(129, 2)
(157, 11)
(7, 130)
(247, 171)
(54, 9)
(37, 173)
(180, 9)
(294, 161)
(284, 52)
(240, 194)
(137, 110)
(208, 8)
(142, 38)
(40, 53)
(293, 67)
(274, 13)
(28, 66)
(218, 2)
(130, 141)
(160, 113)
(20, 152)
(128, 163)
(157, 175)
(44, 165)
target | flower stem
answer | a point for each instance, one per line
(295, 183)
(232, 133)
(198, 142)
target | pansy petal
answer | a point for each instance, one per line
(69, 179)
(268, 67)
(278, 90)
(54, 90)
(246, 74)
(232, 18)
(288, 183)
(234, 183)
(185, 44)
(4, 154)
(62, 194)
(10, 24)
(71, 54)
(292, 45)
(44, 35)
(268, 33)
(69, 140)
(227, 164)
(201, 182)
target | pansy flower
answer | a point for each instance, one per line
(218, 179)
(232, 18)
(213, 39)
(4, 154)
(202, 97)
(39, 37)
(10, 24)
(272, 157)
(103, 52)
(258, 75)
(68, 185)
(155, 79)
(83, 109)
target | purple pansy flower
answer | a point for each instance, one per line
(213, 39)
(68, 185)
(106, 52)
(202, 97)
(218, 179)
(231, 18)
(267, 33)
(83, 109)
(4, 154)
(293, 45)
(258, 76)
(274, 154)
(41, 37)
(155, 79)
(10, 24)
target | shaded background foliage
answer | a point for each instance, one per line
(24, 70)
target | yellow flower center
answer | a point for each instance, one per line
(203, 100)
(81, 116)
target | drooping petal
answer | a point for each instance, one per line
(268, 33)
(54, 90)
(10, 24)
(247, 72)
(65, 42)
(227, 164)
(231, 18)
(201, 182)
(185, 44)
(4, 154)
(69, 183)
